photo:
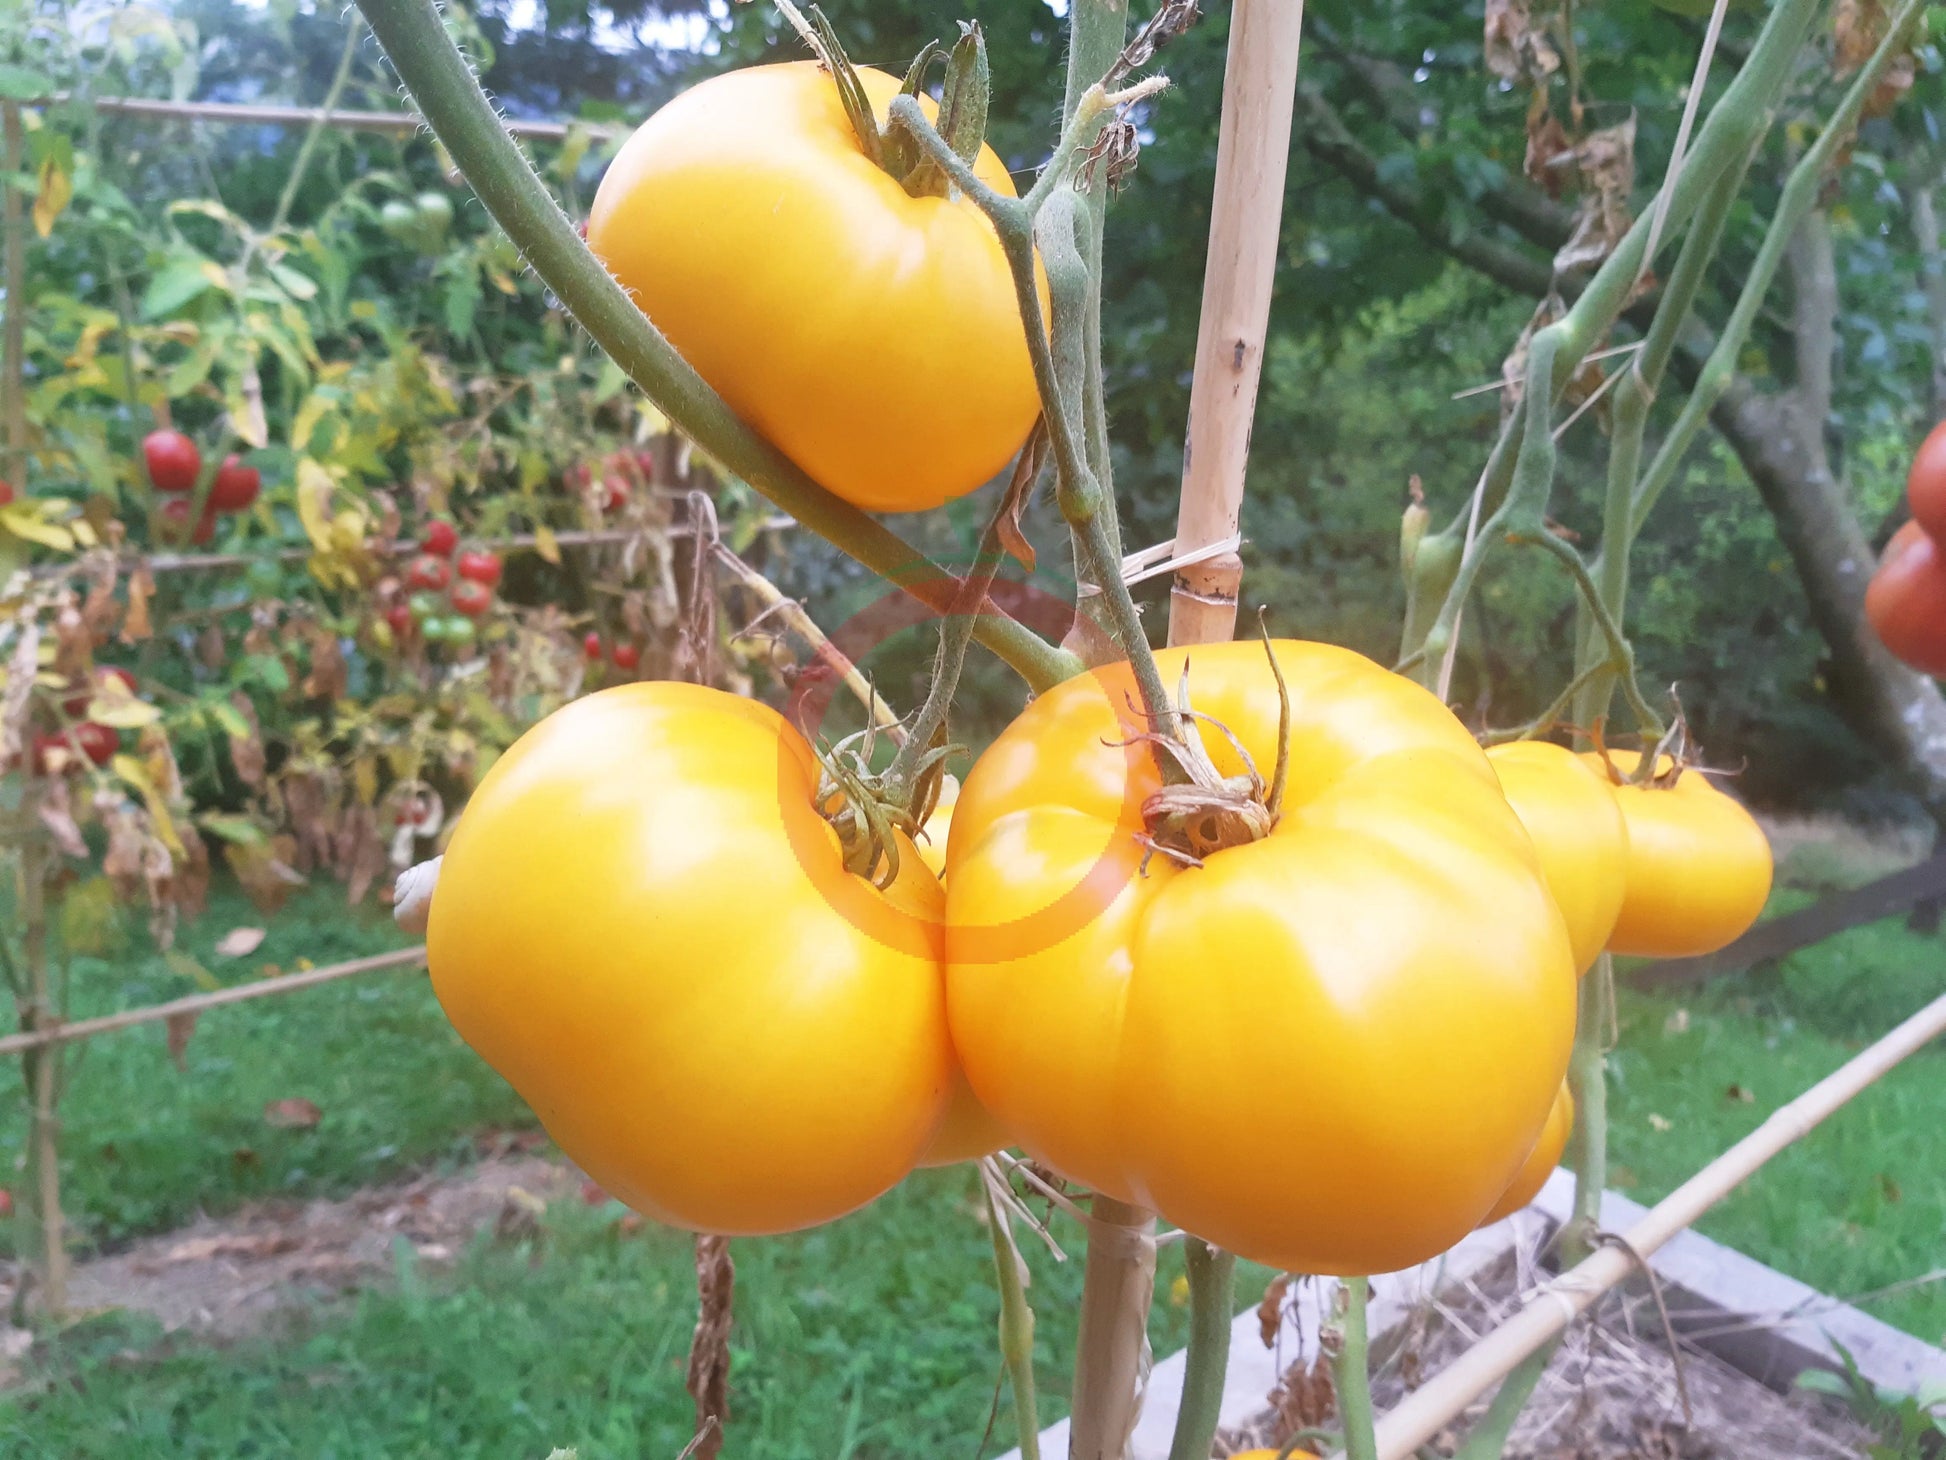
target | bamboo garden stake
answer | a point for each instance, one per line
(1259, 86)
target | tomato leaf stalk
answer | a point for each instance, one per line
(449, 96)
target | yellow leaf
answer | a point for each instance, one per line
(364, 777)
(25, 519)
(314, 488)
(307, 418)
(124, 712)
(56, 189)
(136, 775)
(546, 546)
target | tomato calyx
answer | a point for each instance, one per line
(867, 809)
(1191, 819)
(962, 120)
(1659, 768)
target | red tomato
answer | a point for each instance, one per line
(471, 597)
(399, 616)
(1906, 601)
(626, 656)
(174, 462)
(429, 574)
(481, 567)
(441, 538)
(236, 486)
(96, 742)
(175, 521)
(591, 646)
(1925, 486)
(6, 493)
(645, 463)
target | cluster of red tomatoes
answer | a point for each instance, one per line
(448, 591)
(83, 741)
(1906, 602)
(606, 485)
(175, 466)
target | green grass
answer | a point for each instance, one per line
(1860, 1203)
(871, 1338)
(146, 1146)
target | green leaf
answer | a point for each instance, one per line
(228, 827)
(462, 302)
(185, 278)
(301, 287)
(23, 83)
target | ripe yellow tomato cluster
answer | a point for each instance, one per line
(1334, 1049)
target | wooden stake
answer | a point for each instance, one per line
(1428, 1409)
(1259, 86)
(196, 1003)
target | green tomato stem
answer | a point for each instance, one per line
(1079, 493)
(1016, 1320)
(1212, 1296)
(1350, 1369)
(1724, 143)
(1588, 1084)
(1489, 1438)
(449, 96)
(1799, 197)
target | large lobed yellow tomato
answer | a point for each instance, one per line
(1329, 1050)
(1578, 834)
(645, 926)
(1699, 866)
(1540, 1162)
(872, 336)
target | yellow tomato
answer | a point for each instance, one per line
(1540, 1162)
(1578, 834)
(1698, 865)
(939, 827)
(1329, 1050)
(969, 1132)
(872, 336)
(645, 926)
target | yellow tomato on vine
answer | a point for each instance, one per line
(592, 937)
(1329, 1050)
(873, 336)
(1699, 866)
(1540, 1162)
(1578, 834)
